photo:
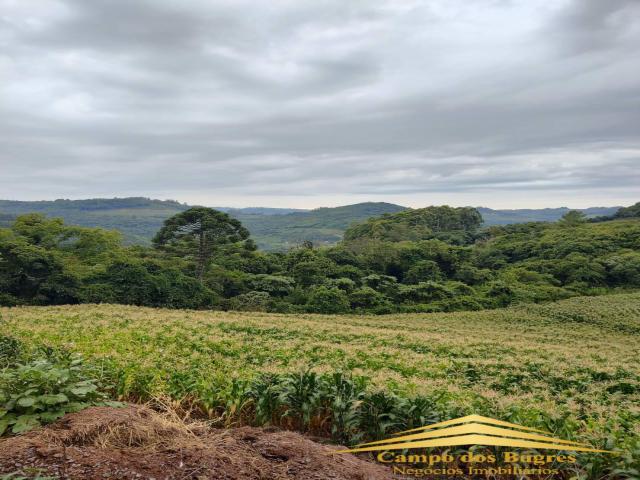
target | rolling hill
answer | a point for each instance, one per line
(322, 225)
(140, 218)
(505, 217)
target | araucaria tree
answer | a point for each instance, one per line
(196, 233)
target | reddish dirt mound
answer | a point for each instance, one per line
(137, 443)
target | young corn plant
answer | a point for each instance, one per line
(345, 395)
(300, 396)
(380, 415)
(265, 393)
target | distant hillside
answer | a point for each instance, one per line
(505, 217)
(259, 210)
(322, 225)
(140, 218)
(272, 228)
(6, 220)
(137, 218)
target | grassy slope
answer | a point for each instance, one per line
(578, 355)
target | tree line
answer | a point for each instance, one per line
(422, 260)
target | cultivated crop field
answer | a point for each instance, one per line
(570, 367)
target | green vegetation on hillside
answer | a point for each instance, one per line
(322, 226)
(569, 367)
(628, 212)
(44, 261)
(455, 225)
(138, 219)
(566, 365)
(525, 215)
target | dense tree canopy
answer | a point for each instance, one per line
(629, 212)
(420, 224)
(203, 259)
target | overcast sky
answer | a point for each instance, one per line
(501, 103)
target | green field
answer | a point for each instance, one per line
(570, 367)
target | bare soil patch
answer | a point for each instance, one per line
(136, 442)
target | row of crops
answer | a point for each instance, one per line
(569, 368)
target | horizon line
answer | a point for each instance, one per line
(307, 209)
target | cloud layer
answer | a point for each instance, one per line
(307, 103)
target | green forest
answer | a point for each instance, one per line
(422, 260)
(274, 229)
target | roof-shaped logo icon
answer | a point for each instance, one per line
(472, 430)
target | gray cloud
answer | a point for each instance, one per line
(589, 25)
(320, 103)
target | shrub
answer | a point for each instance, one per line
(42, 391)
(309, 273)
(385, 284)
(365, 298)
(472, 275)
(423, 271)
(426, 292)
(328, 300)
(623, 268)
(348, 271)
(277, 286)
(10, 350)
(345, 284)
(8, 300)
(250, 302)
(499, 294)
